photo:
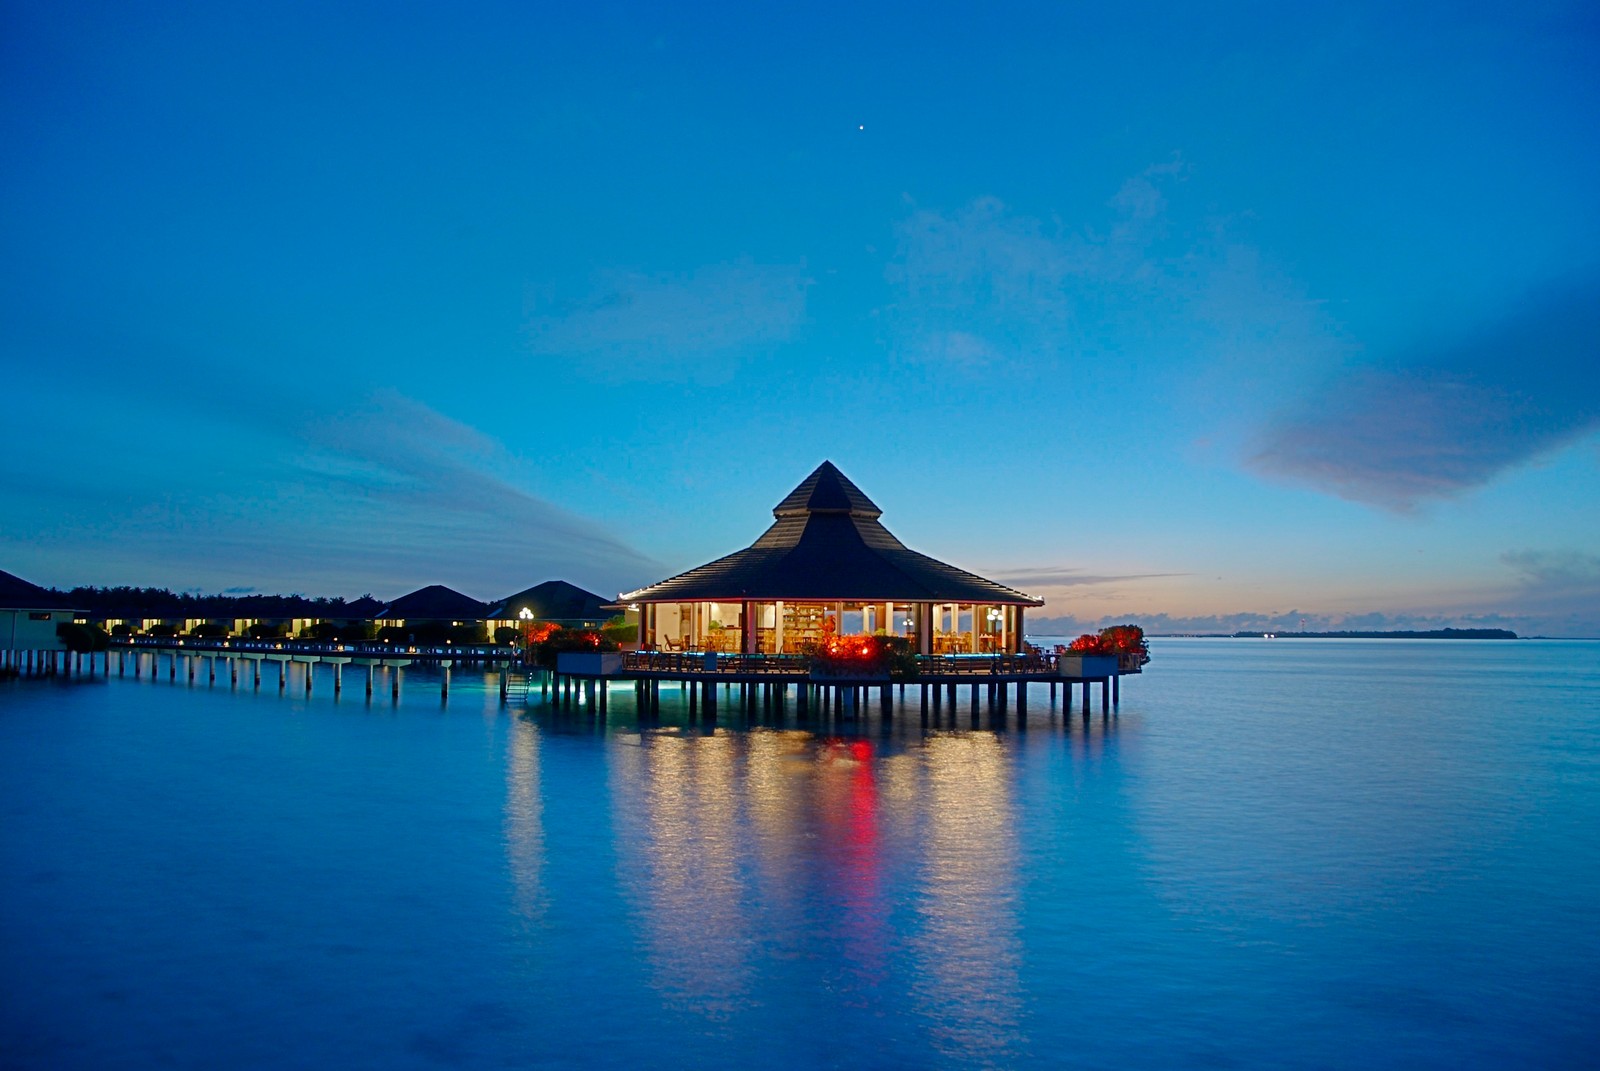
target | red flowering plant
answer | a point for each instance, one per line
(534, 632)
(1125, 640)
(1089, 644)
(863, 657)
(555, 640)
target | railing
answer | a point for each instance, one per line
(365, 649)
(700, 664)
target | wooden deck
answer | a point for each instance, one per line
(931, 669)
(752, 682)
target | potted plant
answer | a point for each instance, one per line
(1088, 656)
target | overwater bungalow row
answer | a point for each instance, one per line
(31, 616)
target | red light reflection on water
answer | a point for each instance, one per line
(849, 814)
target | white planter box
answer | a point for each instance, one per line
(589, 663)
(1087, 665)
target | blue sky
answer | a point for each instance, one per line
(1198, 317)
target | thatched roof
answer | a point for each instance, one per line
(433, 603)
(827, 545)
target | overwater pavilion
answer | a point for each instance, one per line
(828, 567)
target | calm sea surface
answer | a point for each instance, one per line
(1291, 853)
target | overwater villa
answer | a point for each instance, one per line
(827, 567)
(432, 609)
(29, 619)
(555, 602)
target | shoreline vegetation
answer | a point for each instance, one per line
(129, 601)
(1389, 634)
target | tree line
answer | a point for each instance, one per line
(160, 602)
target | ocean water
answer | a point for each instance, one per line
(1277, 854)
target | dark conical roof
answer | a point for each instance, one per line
(17, 594)
(827, 545)
(827, 490)
(553, 600)
(433, 603)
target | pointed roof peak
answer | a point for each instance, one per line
(827, 490)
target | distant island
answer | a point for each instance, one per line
(1395, 634)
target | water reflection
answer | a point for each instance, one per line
(524, 823)
(968, 943)
(769, 862)
(678, 810)
(844, 800)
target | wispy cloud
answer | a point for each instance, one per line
(382, 496)
(1300, 621)
(697, 325)
(1558, 588)
(428, 492)
(1571, 571)
(987, 286)
(1058, 577)
(1450, 416)
(975, 283)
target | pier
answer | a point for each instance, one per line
(164, 657)
(766, 683)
